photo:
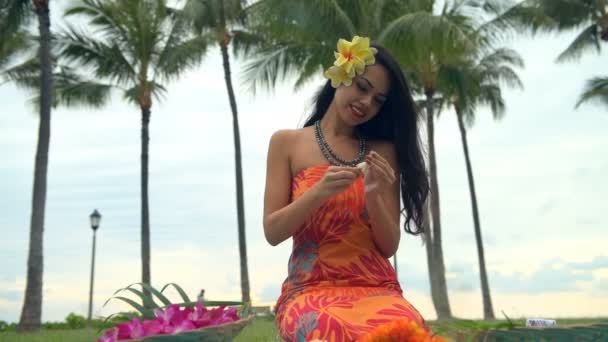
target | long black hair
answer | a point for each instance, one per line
(396, 122)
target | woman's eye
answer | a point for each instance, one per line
(379, 101)
(361, 87)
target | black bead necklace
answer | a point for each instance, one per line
(330, 155)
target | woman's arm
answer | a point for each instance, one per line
(281, 218)
(383, 201)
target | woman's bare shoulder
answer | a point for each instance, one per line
(287, 136)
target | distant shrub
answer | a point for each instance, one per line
(75, 321)
(55, 326)
(3, 326)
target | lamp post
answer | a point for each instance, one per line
(95, 218)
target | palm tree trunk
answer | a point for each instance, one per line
(31, 313)
(145, 210)
(442, 305)
(488, 311)
(237, 158)
(395, 265)
(428, 243)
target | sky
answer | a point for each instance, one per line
(539, 175)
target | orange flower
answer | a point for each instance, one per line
(401, 331)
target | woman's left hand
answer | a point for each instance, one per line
(380, 176)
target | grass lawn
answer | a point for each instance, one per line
(263, 330)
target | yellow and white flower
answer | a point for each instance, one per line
(351, 59)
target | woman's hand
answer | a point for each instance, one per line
(380, 175)
(335, 180)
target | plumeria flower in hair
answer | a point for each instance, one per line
(351, 59)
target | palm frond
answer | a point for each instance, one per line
(455, 82)
(498, 67)
(568, 14)
(491, 96)
(204, 15)
(132, 95)
(312, 67)
(269, 66)
(104, 16)
(596, 89)
(478, 82)
(526, 16)
(279, 62)
(305, 22)
(587, 40)
(181, 55)
(420, 36)
(25, 75)
(106, 60)
(14, 45)
(71, 90)
(14, 14)
(245, 43)
(332, 10)
(502, 56)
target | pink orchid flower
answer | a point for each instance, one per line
(152, 327)
(133, 329)
(171, 320)
(183, 326)
(198, 312)
(165, 316)
(138, 329)
(110, 335)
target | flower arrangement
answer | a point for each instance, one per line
(351, 59)
(401, 331)
(195, 320)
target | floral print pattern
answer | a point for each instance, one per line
(339, 286)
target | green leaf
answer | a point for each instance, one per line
(587, 40)
(596, 89)
(155, 292)
(181, 291)
(144, 298)
(146, 313)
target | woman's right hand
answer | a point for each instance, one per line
(335, 180)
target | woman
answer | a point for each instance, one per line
(344, 223)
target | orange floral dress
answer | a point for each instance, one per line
(339, 286)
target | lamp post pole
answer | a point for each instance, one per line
(95, 219)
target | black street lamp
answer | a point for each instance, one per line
(95, 220)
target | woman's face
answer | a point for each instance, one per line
(362, 100)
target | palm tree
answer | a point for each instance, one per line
(15, 14)
(222, 22)
(301, 36)
(297, 37)
(596, 89)
(473, 86)
(136, 45)
(588, 16)
(429, 47)
(70, 89)
(591, 16)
